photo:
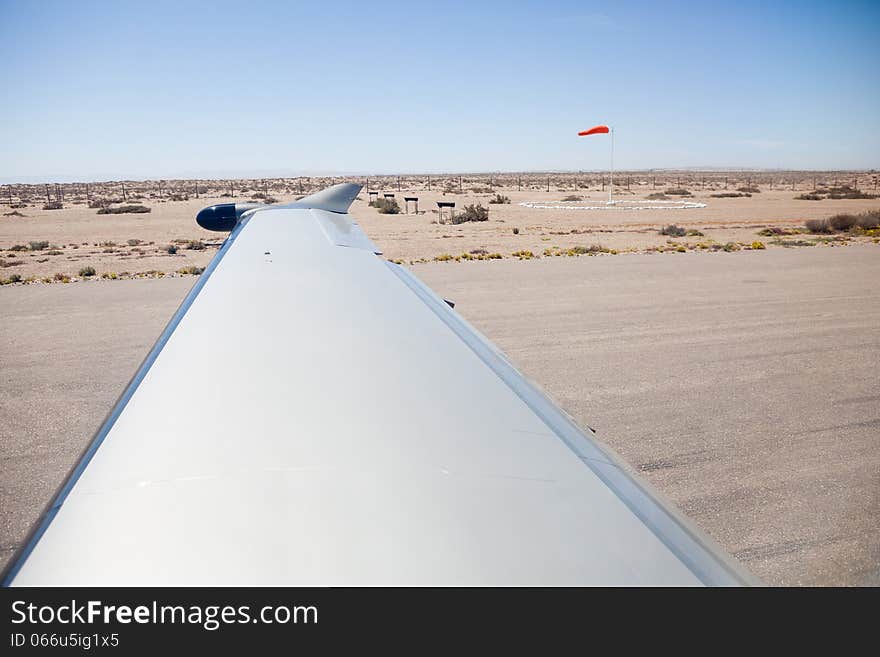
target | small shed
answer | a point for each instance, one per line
(449, 207)
(410, 199)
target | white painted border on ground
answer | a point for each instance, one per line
(615, 205)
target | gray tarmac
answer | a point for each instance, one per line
(743, 386)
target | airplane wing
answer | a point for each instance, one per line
(314, 415)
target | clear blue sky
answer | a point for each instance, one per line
(176, 89)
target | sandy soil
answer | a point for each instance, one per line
(138, 244)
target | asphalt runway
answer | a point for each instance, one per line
(743, 386)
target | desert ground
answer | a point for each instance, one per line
(740, 381)
(166, 241)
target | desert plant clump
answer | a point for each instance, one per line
(523, 255)
(195, 245)
(845, 222)
(499, 200)
(14, 213)
(14, 278)
(869, 220)
(471, 213)
(11, 263)
(20, 247)
(841, 222)
(38, 245)
(693, 232)
(170, 249)
(731, 246)
(125, 209)
(86, 272)
(134, 242)
(774, 231)
(192, 270)
(677, 192)
(817, 225)
(757, 245)
(573, 197)
(748, 190)
(657, 196)
(53, 205)
(840, 192)
(792, 243)
(673, 231)
(386, 206)
(731, 195)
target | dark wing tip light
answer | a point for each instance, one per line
(223, 216)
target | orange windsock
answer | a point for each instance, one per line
(596, 130)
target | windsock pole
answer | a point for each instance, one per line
(611, 190)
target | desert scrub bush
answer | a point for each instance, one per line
(748, 190)
(13, 278)
(677, 192)
(657, 196)
(38, 245)
(842, 221)
(478, 252)
(14, 213)
(192, 269)
(185, 197)
(19, 247)
(125, 209)
(869, 220)
(133, 242)
(792, 243)
(10, 263)
(386, 206)
(444, 257)
(195, 245)
(523, 255)
(731, 246)
(573, 197)
(774, 231)
(808, 197)
(693, 232)
(757, 245)
(86, 272)
(731, 195)
(845, 191)
(109, 275)
(53, 205)
(673, 231)
(499, 199)
(817, 225)
(474, 212)
(170, 249)
(53, 252)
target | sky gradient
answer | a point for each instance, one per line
(110, 90)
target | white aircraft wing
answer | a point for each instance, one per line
(314, 415)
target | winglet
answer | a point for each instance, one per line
(337, 198)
